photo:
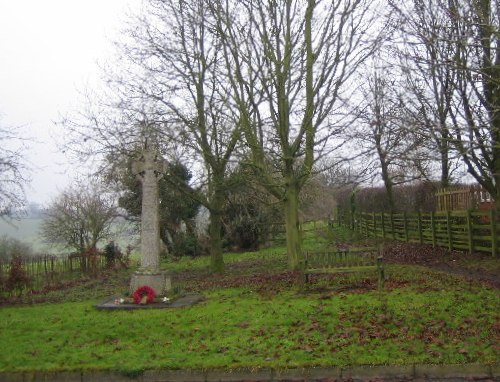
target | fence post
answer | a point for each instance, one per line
(374, 225)
(367, 225)
(392, 226)
(493, 224)
(383, 225)
(469, 231)
(405, 225)
(433, 228)
(448, 230)
(364, 224)
(419, 225)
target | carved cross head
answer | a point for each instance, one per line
(150, 162)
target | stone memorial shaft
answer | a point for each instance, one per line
(149, 172)
(149, 169)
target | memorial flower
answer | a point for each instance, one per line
(144, 295)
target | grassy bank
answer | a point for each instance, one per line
(257, 316)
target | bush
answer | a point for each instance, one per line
(111, 253)
(247, 233)
(18, 279)
(248, 218)
(185, 244)
(408, 198)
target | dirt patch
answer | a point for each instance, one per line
(473, 266)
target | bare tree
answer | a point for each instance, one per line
(80, 217)
(13, 171)
(387, 131)
(290, 62)
(170, 77)
(182, 61)
(426, 78)
(464, 43)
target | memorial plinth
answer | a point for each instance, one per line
(160, 281)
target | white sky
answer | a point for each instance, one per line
(49, 51)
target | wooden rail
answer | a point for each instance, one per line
(347, 260)
(461, 230)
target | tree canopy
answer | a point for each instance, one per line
(80, 217)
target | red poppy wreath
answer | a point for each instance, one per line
(144, 291)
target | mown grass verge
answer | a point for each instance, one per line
(257, 316)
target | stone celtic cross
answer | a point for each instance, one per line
(149, 169)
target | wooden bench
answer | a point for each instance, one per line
(344, 260)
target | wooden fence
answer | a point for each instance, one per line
(462, 198)
(461, 230)
(47, 269)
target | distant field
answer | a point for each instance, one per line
(28, 231)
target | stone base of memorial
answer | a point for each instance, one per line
(120, 303)
(160, 281)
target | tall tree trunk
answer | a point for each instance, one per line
(444, 152)
(386, 177)
(445, 170)
(388, 186)
(215, 232)
(293, 241)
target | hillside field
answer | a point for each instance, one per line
(28, 231)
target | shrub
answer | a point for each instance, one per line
(111, 253)
(18, 279)
(419, 196)
(185, 244)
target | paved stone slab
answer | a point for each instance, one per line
(316, 373)
(64, 376)
(174, 376)
(289, 375)
(369, 372)
(425, 373)
(109, 376)
(239, 375)
(452, 371)
(11, 377)
(183, 301)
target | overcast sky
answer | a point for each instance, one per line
(49, 51)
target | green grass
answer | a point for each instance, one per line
(239, 328)
(257, 316)
(270, 257)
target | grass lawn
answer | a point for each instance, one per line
(257, 316)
